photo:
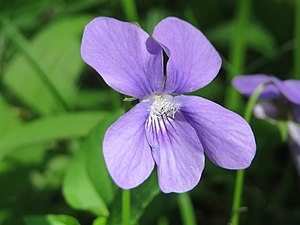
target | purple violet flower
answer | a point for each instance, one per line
(170, 131)
(285, 105)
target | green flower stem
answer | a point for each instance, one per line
(186, 209)
(13, 33)
(129, 8)
(252, 101)
(237, 51)
(283, 129)
(239, 181)
(297, 37)
(238, 190)
(126, 207)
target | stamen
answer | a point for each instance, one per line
(163, 106)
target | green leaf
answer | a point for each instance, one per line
(57, 48)
(140, 199)
(87, 184)
(78, 189)
(49, 129)
(51, 220)
(8, 120)
(100, 221)
(96, 167)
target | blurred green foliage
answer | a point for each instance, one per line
(54, 111)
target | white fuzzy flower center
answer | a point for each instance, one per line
(163, 105)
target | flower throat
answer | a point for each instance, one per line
(163, 105)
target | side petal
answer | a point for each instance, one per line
(177, 152)
(126, 151)
(193, 61)
(247, 84)
(290, 89)
(124, 55)
(226, 137)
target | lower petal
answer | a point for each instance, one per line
(226, 137)
(177, 152)
(126, 150)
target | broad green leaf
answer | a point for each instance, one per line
(140, 199)
(8, 120)
(258, 38)
(57, 48)
(96, 167)
(51, 220)
(100, 221)
(87, 184)
(78, 189)
(40, 131)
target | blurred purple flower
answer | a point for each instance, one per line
(172, 132)
(285, 105)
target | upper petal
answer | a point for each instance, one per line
(226, 137)
(124, 55)
(193, 61)
(177, 152)
(126, 151)
(247, 84)
(289, 88)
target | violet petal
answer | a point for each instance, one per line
(177, 152)
(226, 137)
(193, 61)
(124, 55)
(290, 89)
(126, 151)
(247, 84)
